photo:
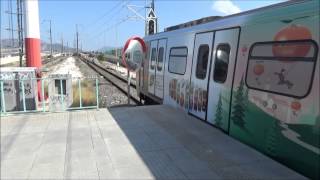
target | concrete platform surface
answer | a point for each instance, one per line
(149, 142)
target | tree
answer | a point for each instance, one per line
(238, 113)
(218, 116)
(246, 97)
(316, 127)
(272, 139)
(100, 57)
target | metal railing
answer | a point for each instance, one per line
(43, 95)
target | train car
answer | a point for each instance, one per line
(254, 75)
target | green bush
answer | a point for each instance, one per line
(88, 93)
(101, 57)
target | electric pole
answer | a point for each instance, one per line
(10, 22)
(21, 25)
(20, 31)
(150, 19)
(117, 41)
(77, 38)
(50, 34)
(67, 47)
(152, 5)
(61, 43)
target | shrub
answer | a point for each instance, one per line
(88, 93)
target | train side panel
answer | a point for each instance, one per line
(178, 70)
(275, 102)
(143, 74)
(275, 91)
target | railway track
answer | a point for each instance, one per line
(116, 80)
(132, 82)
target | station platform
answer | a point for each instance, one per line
(146, 142)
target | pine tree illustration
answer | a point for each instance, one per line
(246, 97)
(316, 127)
(238, 113)
(272, 139)
(218, 116)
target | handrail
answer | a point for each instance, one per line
(38, 89)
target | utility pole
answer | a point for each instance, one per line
(62, 43)
(116, 41)
(104, 39)
(10, 22)
(74, 44)
(21, 25)
(20, 31)
(77, 38)
(150, 19)
(67, 47)
(50, 33)
(152, 5)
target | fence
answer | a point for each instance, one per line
(51, 94)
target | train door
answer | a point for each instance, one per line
(199, 76)
(221, 77)
(160, 68)
(152, 66)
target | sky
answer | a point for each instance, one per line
(110, 22)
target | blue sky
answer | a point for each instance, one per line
(102, 23)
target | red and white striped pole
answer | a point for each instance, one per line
(32, 38)
(32, 33)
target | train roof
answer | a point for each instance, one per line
(193, 23)
(213, 19)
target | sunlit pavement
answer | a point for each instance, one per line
(139, 142)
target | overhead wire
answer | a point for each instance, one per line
(105, 14)
(114, 11)
(122, 4)
(114, 25)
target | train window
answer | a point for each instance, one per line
(178, 60)
(160, 58)
(179, 51)
(285, 68)
(202, 61)
(153, 58)
(221, 63)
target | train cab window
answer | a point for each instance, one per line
(221, 63)
(178, 60)
(160, 59)
(285, 68)
(202, 61)
(153, 58)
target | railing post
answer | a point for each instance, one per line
(97, 92)
(3, 102)
(61, 94)
(23, 95)
(80, 95)
(42, 94)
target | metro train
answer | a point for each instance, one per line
(254, 75)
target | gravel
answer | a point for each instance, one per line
(109, 95)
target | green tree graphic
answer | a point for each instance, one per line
(316, 127)
(238, 113)
(246, 97)
(272, 139)
(218, 116)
